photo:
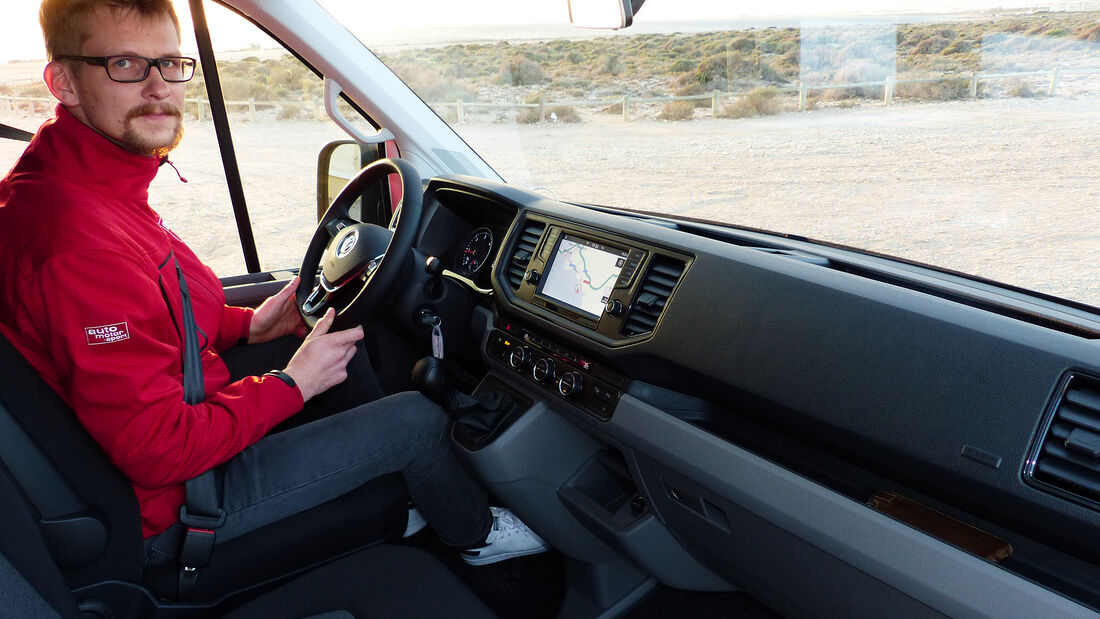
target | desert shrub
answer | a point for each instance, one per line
(946, 90)
(682, 65)
(530, 115)
(1019, 88)
(563, 114)
(614, 108)
(760, 101)
(429, 85)
(960, 46)
(575, 57)
(289, 111)
(1089, 33)
(854, 73)
(1057, 32)
(520, 70)
(931, 45)
(608, 64)
(251, 59)
(677, 110)
(743, 44)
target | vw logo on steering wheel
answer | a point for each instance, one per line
(347, 244)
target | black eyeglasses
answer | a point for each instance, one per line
(136, 68)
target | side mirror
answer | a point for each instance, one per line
(603, 14)
(337, 164)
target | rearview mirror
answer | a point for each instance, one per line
(603, 14)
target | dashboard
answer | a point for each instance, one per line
(764, 395)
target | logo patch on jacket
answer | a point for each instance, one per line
(107, 334)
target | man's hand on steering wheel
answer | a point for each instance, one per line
(277, 316)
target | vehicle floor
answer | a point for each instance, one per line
(533, 587)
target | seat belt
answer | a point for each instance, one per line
(12, 133)
(201, 514)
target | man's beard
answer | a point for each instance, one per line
(142, 144)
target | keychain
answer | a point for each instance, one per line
(437, 338)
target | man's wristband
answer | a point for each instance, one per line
(283, 376)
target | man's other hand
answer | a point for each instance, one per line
(321, 361)
(277, 316)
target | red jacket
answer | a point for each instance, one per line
(89, 295)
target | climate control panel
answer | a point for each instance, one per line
(557, 370)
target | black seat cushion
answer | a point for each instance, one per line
(372, 513)
(383, 581)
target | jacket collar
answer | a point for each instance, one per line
(86, 157)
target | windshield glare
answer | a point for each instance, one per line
(964, 139)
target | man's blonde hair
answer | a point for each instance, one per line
(65, 22)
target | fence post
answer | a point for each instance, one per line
(888, 91)
(542, 109)
(973, 85)
(460, 112)
(714, 103)
(801, 96)
(251, 110)
(202, 109)
(626, 108)
(1053, 81)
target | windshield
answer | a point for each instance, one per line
(964, 137)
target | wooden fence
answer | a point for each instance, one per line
(717, 98)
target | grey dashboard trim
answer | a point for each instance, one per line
(945, 578)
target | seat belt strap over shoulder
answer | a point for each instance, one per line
(201, 514)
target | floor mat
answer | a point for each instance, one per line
(665, 603)
(530, 587)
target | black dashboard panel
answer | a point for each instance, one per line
(921, 391)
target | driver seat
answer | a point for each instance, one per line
(102, 554)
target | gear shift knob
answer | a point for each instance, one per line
(429, 378)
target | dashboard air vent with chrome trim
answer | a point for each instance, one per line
(524, 248)
(1066, 459)
(653, 293)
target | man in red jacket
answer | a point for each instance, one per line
(91, 296)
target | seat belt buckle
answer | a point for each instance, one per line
(198, 539)
(197, 547)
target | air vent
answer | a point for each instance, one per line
(652, 296)
(523, 250)
(1068, 457)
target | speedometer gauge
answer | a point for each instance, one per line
(474, 250)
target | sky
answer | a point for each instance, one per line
(21, 39)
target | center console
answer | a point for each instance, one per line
(556, 370)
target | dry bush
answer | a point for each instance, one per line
(520, 70)
(677, 110)
(960, 46)
(563, 114)
(289, 111)
(1019, 88)
(856, 72)
(1088, 33)
(760, 101)
(946, 90)
(608, 64)
(614, 108)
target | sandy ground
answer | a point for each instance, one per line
(1005, 188)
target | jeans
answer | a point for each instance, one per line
(307, 465)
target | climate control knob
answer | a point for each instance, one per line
(520, 357)
(544, 370)
(570, 384)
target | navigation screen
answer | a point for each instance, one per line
(582, 273)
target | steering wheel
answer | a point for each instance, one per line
(358, 261)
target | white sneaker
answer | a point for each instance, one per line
(509, 538)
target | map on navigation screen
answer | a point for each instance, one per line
(582, 274)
